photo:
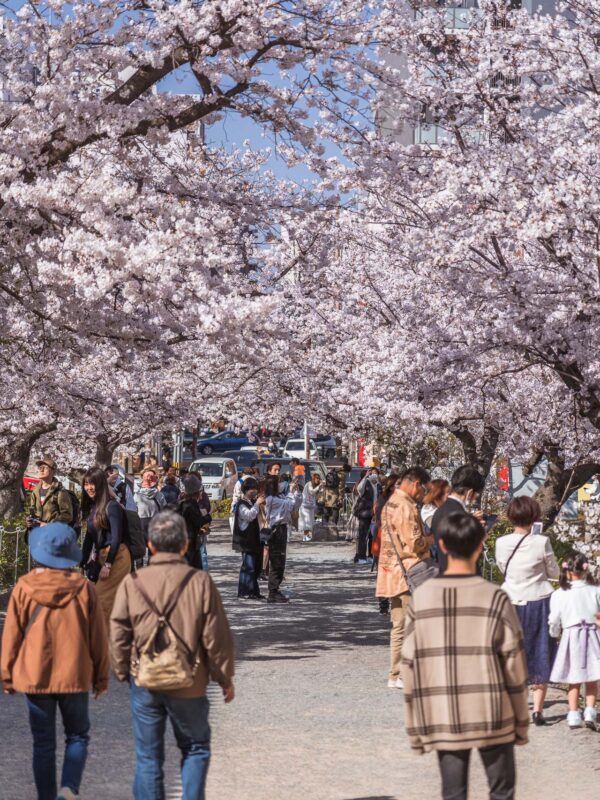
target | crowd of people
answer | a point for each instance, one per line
(463, 650)
(56, 643)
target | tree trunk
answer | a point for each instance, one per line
(104, 451)
(481, 457)
(14, 457)
(560, 483)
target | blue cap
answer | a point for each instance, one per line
(55, 545)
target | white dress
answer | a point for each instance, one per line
(574, 612)
(306, 519)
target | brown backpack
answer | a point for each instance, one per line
(161, 667)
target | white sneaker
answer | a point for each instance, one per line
(395, 683)
(574, 719)
(590, 716)
(307, 539)
(66, 794)
(361, 561)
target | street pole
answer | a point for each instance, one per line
(306, 443)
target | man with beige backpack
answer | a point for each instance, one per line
(168, 636)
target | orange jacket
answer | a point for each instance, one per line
(54, 638)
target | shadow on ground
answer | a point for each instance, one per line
(332, 607)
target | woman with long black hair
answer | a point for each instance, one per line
(106, 559)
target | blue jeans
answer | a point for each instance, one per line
(249, 574)
(42, 720)
(189, 718)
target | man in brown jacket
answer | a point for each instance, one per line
(198, 623)
(54, 650)
(401, 522)
(464, 668)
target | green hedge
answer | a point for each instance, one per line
(221, 509)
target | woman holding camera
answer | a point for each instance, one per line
(306, 519)
(248, 521)
(106, 559)
(278, 511)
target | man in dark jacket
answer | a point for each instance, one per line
(196, 519)
(367, 491)
(466, 486)
(49, 501)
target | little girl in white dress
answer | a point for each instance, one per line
(574, 610)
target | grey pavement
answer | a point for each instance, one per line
(313, 718)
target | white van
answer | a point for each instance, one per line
(294, 448)
(219, 475)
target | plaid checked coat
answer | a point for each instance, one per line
(463, 666)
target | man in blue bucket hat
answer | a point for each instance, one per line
(54, 610)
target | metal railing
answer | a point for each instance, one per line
(15, 559)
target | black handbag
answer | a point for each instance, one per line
(92, 570)
(265, 534)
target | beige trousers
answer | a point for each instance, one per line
(398, 606)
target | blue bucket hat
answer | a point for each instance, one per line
(55, 545)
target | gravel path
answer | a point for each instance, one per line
(313, 718)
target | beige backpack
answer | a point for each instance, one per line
(162, 666)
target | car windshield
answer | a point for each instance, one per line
(208, 469)
(297, 444)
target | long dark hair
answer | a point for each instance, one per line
(272, 486)
(389, 487)
(578, 565)
(97, 477)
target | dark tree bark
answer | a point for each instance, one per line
(14, 458)
(479, 456)
(560, 482)
(105, 447)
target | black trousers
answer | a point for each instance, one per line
(499, 765)
(364, 528)
(277, 552)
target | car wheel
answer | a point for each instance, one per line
(207, 449)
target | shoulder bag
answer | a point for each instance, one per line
(419, 573)
(512, 555)
(266, 531)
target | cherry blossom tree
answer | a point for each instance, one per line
(119, 226)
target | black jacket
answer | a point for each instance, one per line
(195, 519)
(437, 526)
(247, 541)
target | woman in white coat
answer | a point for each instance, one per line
(306, 520)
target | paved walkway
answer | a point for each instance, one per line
(313, 719)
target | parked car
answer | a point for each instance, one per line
(220, 442)
(219, 475)
(310, 467)
(294, 448)
(326, 445)
(353, 478)
(242, 458)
